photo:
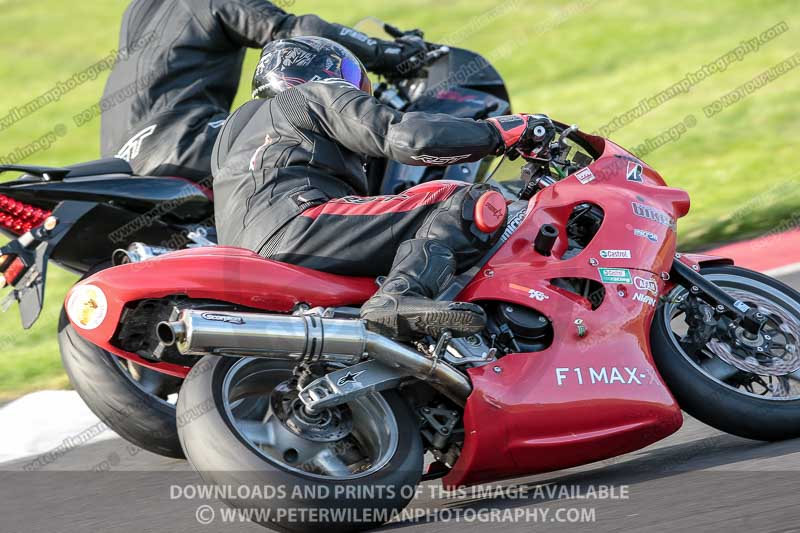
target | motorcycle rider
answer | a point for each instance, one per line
(289, 179)
(186, 74)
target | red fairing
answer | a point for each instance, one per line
(219, 273)
(587, 398)
(593, 394)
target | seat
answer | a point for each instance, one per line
(99, 167)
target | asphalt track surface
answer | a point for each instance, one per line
(696, 480)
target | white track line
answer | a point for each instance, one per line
(786, 270)
(45, 421)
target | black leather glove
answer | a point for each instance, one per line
(400, 58)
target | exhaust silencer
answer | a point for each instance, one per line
(305, 339)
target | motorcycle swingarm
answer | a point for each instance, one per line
(751, 319)
(344, 385)
(33, 250)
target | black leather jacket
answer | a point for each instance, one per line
(186, 76)
(314, 136)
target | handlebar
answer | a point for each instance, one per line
(416, 62)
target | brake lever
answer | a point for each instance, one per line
(396, 32)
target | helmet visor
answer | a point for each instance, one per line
(354, 73)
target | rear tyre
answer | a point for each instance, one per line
(128, 398)
(348, 475)
(753, 396)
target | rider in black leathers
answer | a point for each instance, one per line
(187, 73)
(289, 182)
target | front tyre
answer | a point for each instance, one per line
(343, 469)
(744, 385)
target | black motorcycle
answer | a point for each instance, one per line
(80, 217)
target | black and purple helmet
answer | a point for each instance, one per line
(290, 62)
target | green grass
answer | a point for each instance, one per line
(578, 61)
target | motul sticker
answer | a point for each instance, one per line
(585, 176)
(615, 275)
(615, 254)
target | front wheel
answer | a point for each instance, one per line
(746, 385)
(347, 468)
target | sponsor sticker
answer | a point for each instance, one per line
(651, 213)
(615, 254)
(615, 275)
(649, 235)
(585, 176)
(644, 284)
(533, 294)
(634, 172)
(645, 299)
(601, 376)
(87, 306)
(513, 224)
(219, 317)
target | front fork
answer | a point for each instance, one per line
(690, 277)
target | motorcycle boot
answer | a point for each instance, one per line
(403, 308)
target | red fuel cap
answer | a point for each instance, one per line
(490, 211)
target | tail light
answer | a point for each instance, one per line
(13, 272)
(19, 217)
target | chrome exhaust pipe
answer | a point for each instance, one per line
(305, 338)
(136, 253)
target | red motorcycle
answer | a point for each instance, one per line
(599, 334)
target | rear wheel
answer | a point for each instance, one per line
(746, 385)
(134, 401)
(344, 469)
